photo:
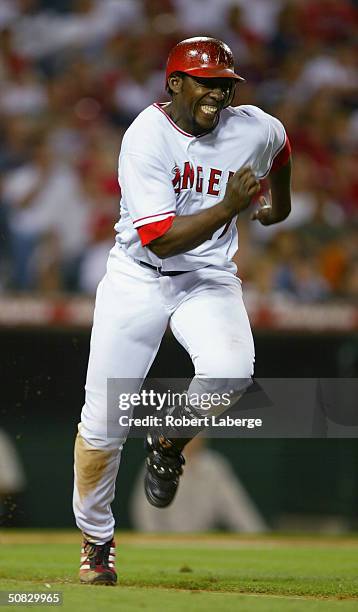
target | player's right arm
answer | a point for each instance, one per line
(189, 231)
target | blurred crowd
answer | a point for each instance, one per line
(75, 73)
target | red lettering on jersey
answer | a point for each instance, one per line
(231, 174)
(188, 176)
(176, 179)
(199, 179)
(213, 181)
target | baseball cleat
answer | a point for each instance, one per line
(163, 470)
(98, 563)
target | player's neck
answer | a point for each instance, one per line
(189, 127)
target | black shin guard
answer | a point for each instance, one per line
(165, 462)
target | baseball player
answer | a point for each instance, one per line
(187, 169)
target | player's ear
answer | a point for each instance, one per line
(175, 83)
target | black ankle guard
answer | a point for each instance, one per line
(180, 434)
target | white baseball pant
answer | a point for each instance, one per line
(134, 305)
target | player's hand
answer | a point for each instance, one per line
(241, 188)
(264, 211)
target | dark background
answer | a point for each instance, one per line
(42, 378)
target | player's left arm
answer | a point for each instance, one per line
(279, 207)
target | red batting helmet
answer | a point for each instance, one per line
(202, 56)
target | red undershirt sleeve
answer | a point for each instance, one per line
(282, 157)
(154, 230)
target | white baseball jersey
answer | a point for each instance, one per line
(164, 171)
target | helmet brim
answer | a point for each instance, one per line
(214, 72)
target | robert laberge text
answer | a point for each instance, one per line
(206, 421)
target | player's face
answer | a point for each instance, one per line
(200, 102)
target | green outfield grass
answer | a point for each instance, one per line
(198, 572)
